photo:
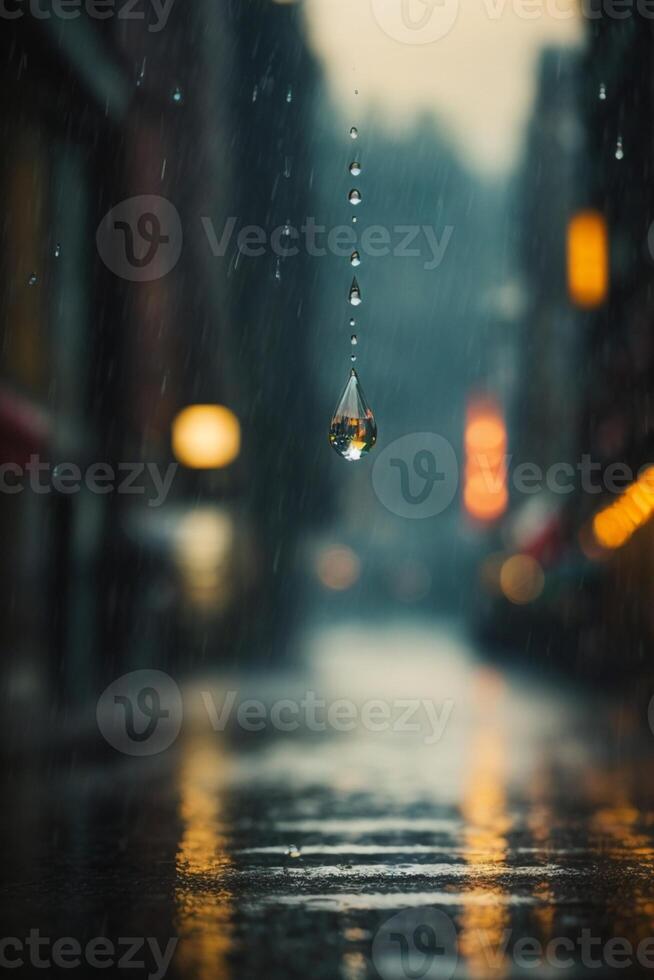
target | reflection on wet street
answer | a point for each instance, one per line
(518, 810)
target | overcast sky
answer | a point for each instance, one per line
(478, 78)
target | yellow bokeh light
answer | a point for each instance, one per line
(521, 579)
(615, 525)
(588, 259)
(206, 437)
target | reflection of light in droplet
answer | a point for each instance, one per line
(521, 579)
(338, 568)
(206, 436)
(353, 430)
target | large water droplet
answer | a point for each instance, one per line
(355, 258)
(619, 149)
(354, 133)
(602, 91)
(355, 293)
(354, 197)
(354, 340)
(355, 168)
(353, 430)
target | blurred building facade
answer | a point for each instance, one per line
(96, 367)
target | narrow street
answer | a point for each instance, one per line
(526, 816)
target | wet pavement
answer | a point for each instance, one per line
(513, 823)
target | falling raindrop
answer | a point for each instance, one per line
(354, 197)
(255, 93)
(293, 851)
(356, 91)
(354, 220)
(178, 98)
(288, 166)
(602, 91)
(352, 321)
(354, 340)
(355, 168)
(355, 293)
(355, 258)
(353, 430)
(33, 279)
(140, 78)
(57, 250)
(353, 357)
(619, 149)
(354, 133)
(289, 94)
(278, 270)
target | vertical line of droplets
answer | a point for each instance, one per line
(353, 430)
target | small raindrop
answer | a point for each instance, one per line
(57, 250)
(353, 357)
(255, 93)
(354, 133)
(288, 166)
(354, 220)
(355, 258)
(178, 98)
(354, 197)
(619, 149)
(356, 91)
(140, 78)
(293, 851)
(33, 279)
(355, 168)
(354, 296)
(602, 92)
(278, 271)
(352, 321)
(289, 94)
(354, 340)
